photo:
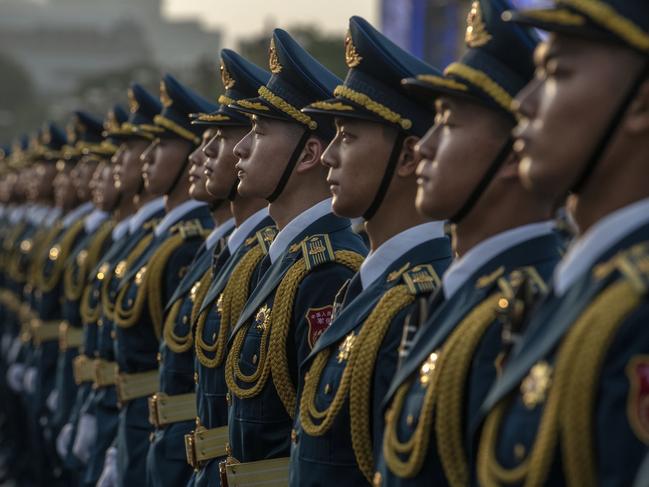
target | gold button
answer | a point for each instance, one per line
(254, 359)
(327, 389)
(113, 335)
(214, 337)
(294, 435)
(159, 357)
(377, 480)
(130, 302)
(185, 320)
(100, 322)
(519, 451)
(410, 420)
(196, 377)
(228, 397)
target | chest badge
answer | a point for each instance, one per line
(319, 320)
(637, 371)
(262, 318)
(535, 386)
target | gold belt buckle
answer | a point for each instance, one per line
(190, 450)
(153, 411)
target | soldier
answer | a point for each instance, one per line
(580, 372)
(225, 288)
(372, 167)
(456, 354)
(151, 275)
(136, 215)
(172, 409)
(314, 252)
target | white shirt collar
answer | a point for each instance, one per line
(587, 249)
(296, 226)
(96, 218)
(240, 233)
(217, 233)
(52, 215)
(147, 210)
(77, 213)
(120, 229)
(377, 262)
(463, 268)
(176, 214)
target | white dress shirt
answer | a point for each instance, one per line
(240, 233)
(145, 212)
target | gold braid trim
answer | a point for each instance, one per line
(557, 16)
(225, 100)
(594, 333)
(215, 117)
(177, 129)
(373, 106)
(276, 333)
(443, 82)
(569, 409)
(48, 283)
(444, 382)
(89, 314)
(484, 82)
(281, 322)
(74, 287)
(452, 371)
(287, 108)
(109, 306)
(612, 20)
(366, 350)
(229, 305)
(177, 343)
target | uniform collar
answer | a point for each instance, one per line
(377, 262)
(53, 214)
(147, 210)
(176, 214)
(240, 233)
(121, 228)
(463, 268)
(94, 219)
(77, 213)
(587, 249)
(297, 226)
(218, 232)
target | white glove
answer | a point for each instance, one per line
(29, 380)
(15, 375)
(53, 400)
(108, 476)
(63, 440)
(86, 436)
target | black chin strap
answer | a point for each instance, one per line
(493, 169)
(288, 170)
(611, 129)
(387, 176)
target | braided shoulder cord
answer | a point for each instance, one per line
(229, 305)
(453, 370)
(75, 276)
(584, 346)
(47, 283)
(281, 320)
(111, 308)
(366, 350)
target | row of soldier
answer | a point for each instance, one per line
(185, 300)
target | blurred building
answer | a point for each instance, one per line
(61, 41)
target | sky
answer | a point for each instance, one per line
(242, 18)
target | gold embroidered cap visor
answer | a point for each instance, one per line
(599, 20)
(467, 81)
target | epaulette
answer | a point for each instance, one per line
(633, 265)
(265, 237)
(189, 229)
(421, 279)
(317, 250)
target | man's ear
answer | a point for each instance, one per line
(637, 120)
(311, 155)
(408, 160)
